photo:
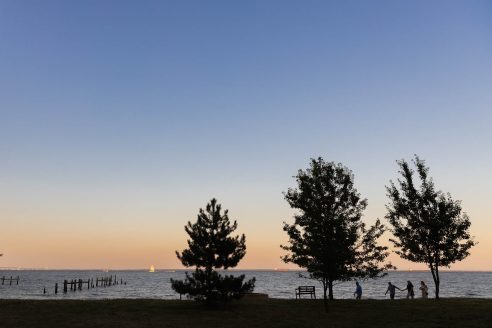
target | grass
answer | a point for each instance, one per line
(247, 313)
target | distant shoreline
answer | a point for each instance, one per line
(191, 269)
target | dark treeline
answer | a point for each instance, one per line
(330, 241)
(328, 237)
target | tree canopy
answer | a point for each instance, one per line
(428, 225)
(210, 247)
(328, 237)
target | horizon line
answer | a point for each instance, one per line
(232, 269)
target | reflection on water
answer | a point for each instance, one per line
(142, 284)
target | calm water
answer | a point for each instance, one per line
(142, 284)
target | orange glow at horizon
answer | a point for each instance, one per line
(125, 239)
(119, 249)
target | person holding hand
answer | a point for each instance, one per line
(392, 290)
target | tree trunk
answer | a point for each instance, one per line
(435, 277)
(208, 284)
(437, 282)
(330, 289)
(325, 299)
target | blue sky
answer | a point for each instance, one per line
(132, 115)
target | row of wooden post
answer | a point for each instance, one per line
(77, 284)
(11, 280)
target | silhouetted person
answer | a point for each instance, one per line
(358, 291)
(424, 289)
(392, 290)
(409, 289)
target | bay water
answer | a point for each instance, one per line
(277, 284)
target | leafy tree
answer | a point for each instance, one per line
(429, 225)
(328, 237)
(211, 247)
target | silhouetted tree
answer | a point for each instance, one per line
(429, 225)
(328, 237)
(211, 247)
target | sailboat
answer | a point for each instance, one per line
(151, 269)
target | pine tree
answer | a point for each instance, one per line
(328, 237)
(429, 225)
(211, 247)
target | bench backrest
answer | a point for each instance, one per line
(305, 288)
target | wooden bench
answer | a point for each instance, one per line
(305, 290)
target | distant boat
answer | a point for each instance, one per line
(280, 269)
(152, 269)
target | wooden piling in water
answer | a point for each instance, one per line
(77, 284)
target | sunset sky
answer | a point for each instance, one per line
(120, 119)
